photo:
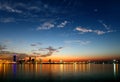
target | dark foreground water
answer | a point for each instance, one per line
(59, 72)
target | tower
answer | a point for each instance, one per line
(14, 58)
(29, 59)
(49, 60)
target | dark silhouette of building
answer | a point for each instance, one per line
(29, 59)
(33, 61)
(14, 58)
(49, 60)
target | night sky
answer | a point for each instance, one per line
(77, 28)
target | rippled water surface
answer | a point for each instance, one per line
(59, 72)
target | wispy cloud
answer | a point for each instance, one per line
(51, 50)
(77, 41)
(79, 28)
(51, 24)
(46, 26)
(27, 12)
(8, 8)
(34, 8)
(99, 32)
(63, 24)
(48, 51)
(85, 30)
(33, 45)
(7, 20)
(105, 25)
(36, 44)
(23, 10)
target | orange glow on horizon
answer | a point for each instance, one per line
(55, 58)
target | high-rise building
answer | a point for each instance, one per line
(49, 60)
(29, 59)
(14, 58)
(33, 60)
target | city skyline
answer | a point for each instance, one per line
(61, 28)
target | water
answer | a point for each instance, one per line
(59, 72)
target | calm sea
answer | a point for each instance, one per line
(59, 72)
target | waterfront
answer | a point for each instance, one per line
(59, 72)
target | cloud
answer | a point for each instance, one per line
(35, 9)
(33, 45)
(26, 12)
(84, 30)
(99, 32)
(51, 24)
(60, 47)
(46, 26)
(105, 25)
(36, 44)
(49, 51)
(63, 24)
(42, 49)
(7, 20)
(77, 41)
(25, 9)
(9, 8)
(39, 43)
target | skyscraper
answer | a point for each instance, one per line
(49, 60)
(29, 59)
(14, 58)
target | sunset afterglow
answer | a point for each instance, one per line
(60, 29)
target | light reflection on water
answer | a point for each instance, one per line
(115, 70)
(59, 72)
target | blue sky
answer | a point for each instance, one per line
(79, 27)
